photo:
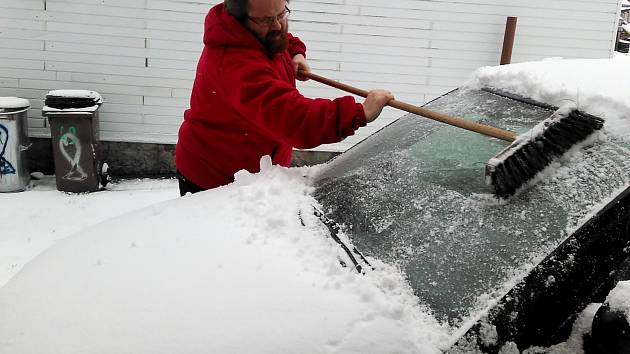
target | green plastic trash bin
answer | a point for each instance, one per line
(14, 173)
(73, 119)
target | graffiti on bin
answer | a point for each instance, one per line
(5, 166)
(70, 148)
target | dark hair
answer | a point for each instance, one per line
(237, 8)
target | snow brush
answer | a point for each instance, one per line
(515, 167)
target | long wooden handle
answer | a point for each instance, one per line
(407, 107)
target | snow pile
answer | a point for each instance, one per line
(239, 269)
(586, 83)
(619, 298)
(575, 342)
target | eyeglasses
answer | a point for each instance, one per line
(270, 20)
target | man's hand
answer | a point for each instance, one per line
(300, 64)
(374, 103)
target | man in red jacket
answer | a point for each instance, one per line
(244, 103)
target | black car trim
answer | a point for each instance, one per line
(334, 229)
(519, 98)
(540, 310)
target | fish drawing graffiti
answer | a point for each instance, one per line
(70, 148)
(5, 166)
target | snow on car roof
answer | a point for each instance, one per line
(556, 82)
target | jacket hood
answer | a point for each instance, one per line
(223, 30)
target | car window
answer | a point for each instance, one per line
(414, 195)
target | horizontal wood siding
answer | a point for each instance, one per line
(141, 54)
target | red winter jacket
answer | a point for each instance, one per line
(244, 105)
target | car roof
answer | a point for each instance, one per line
(414, 195)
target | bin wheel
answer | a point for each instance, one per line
(104, 174)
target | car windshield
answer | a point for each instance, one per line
(414, 195)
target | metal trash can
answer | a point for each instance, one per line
(73, 119)
(14, 173)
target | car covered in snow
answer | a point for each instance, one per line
(413, 195)
(396, 245)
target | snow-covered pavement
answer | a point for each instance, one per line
(35, 219)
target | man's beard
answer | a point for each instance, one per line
(275, 41)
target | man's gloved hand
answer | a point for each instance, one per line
(374, 103)
(300, 64)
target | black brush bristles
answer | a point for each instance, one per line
(532, 152)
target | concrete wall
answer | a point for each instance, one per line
(135, 160)
(141, 54)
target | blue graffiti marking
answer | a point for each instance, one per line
(5, 166)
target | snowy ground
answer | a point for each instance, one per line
(38, 218)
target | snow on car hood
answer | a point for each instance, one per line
(239, 269)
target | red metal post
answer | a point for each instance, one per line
(508, 40)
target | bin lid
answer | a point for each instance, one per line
(13, 104)
(72, 99)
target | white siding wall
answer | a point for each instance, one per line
(141, 54)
